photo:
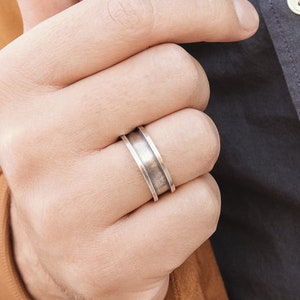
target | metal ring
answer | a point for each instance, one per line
(149, 162)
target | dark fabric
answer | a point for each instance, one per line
(257, 243)
(284, 28)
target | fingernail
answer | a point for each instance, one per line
(247, 15)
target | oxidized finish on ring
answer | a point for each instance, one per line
(149, 162)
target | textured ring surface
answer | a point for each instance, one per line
(149, 162)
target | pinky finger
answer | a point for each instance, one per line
(166, 232)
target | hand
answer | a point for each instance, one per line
(83, 225)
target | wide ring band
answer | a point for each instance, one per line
(149, 162)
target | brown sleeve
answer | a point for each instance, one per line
(10, 21)
(198, 278)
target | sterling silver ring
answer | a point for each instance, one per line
(149, 162)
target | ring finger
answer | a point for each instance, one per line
(113, 185)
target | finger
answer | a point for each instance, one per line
(35, 11)
(127, 95)
(93, 35)
(163, 234)
(159, 236)
(189, 144)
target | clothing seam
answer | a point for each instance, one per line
(292, 60)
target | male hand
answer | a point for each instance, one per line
(83, 225)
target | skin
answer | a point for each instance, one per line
(83, 226)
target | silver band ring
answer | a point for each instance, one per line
(149, 162)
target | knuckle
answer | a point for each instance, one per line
(192, 76)
(211, 203)
(22, 153)
(201, 89)
(212, 141)
(205, 137)
(175, 63)
(135, 17)
(14, 160)
(177, 56)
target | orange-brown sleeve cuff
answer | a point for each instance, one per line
(10, 21)
(198, 278)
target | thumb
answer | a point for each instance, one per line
(35, 11)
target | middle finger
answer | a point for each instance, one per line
(140, 90)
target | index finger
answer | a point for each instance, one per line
(96, 34)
